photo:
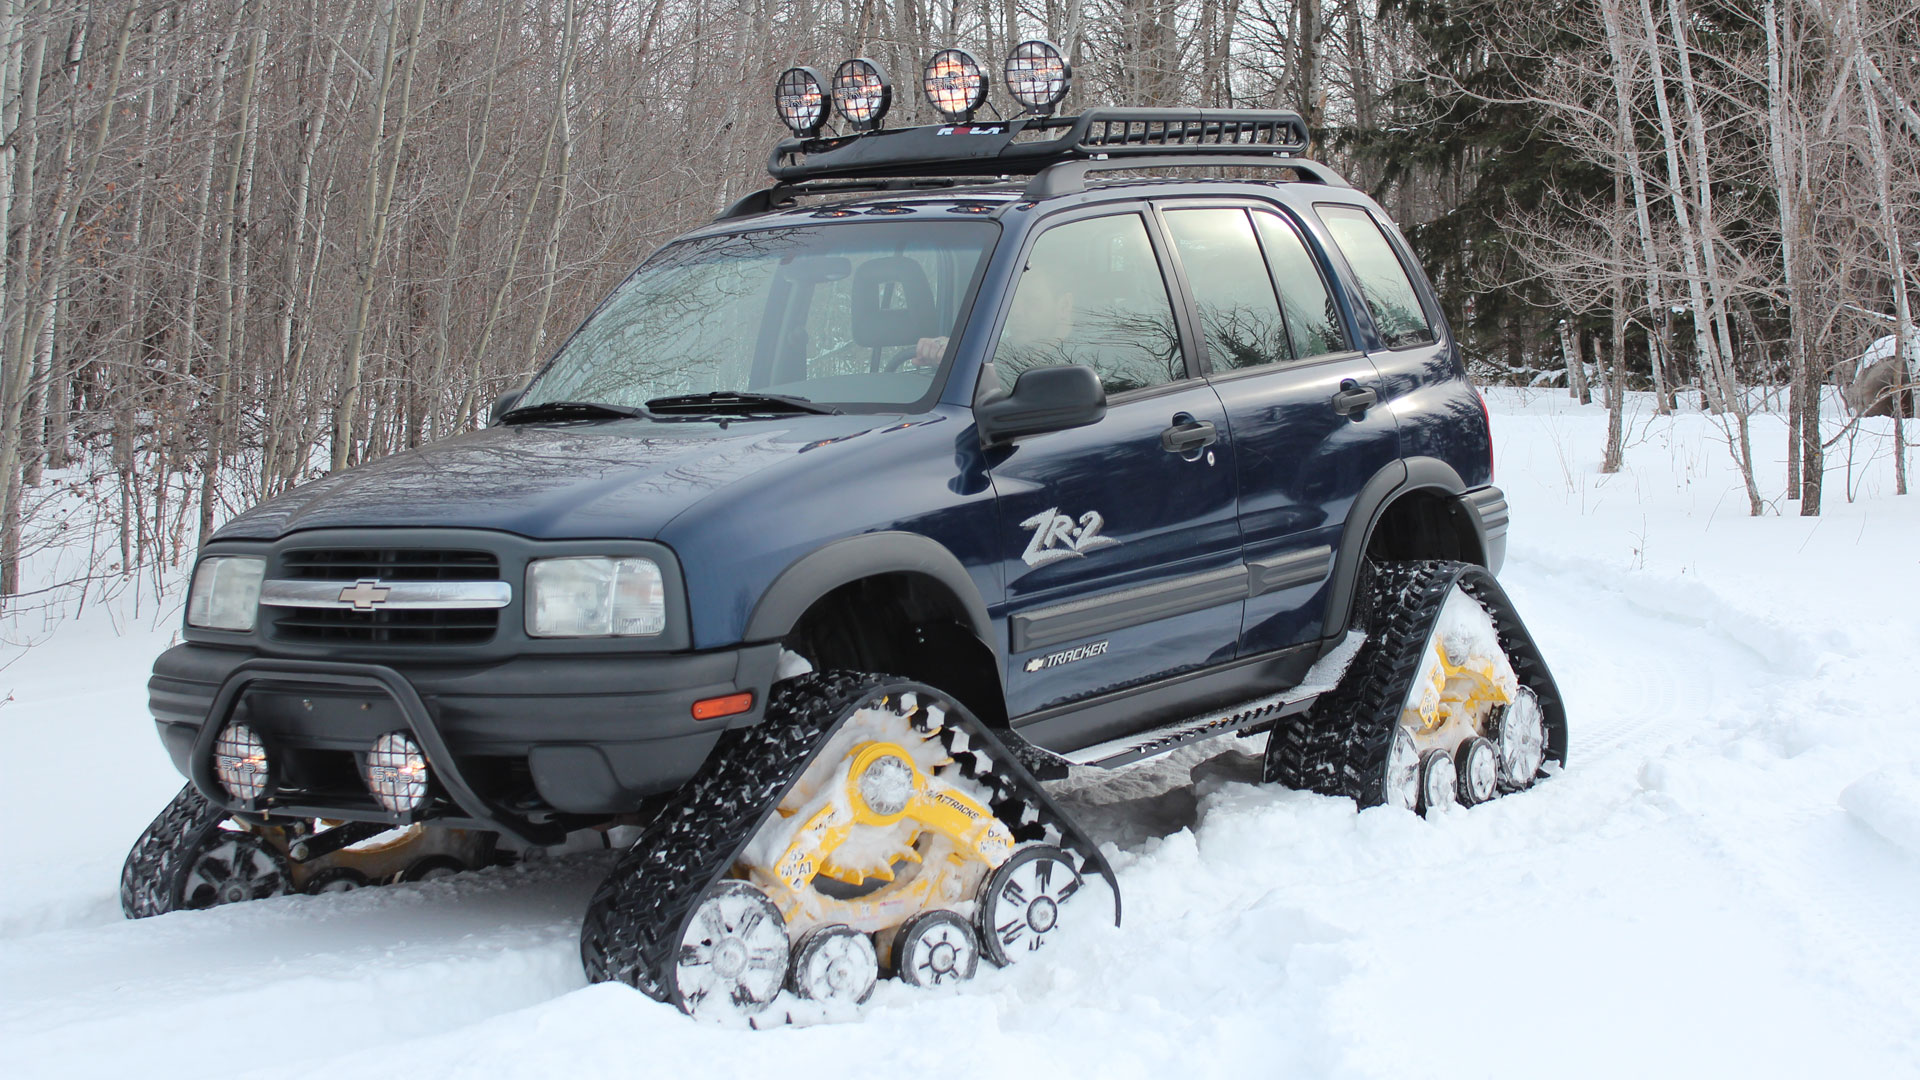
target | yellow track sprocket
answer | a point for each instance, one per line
(881, 827)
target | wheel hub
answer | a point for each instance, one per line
(942, 957)
(729, 958)
(1042, 914)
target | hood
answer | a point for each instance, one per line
(619, 478)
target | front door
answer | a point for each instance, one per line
(1294, 390)
(1122, 554)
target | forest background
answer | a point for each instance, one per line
(247, 242)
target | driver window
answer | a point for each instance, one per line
(1092, 294)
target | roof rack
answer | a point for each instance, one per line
(1027, 145)
(1057, 151)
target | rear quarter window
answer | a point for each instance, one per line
(1384, 282)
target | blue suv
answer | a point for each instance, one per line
(948, 463)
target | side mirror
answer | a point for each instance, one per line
(505, 401)
(1043, 399)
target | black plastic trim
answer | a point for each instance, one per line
(1286, 571)
(1103, 614)
(849, 560)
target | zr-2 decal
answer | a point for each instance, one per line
(1042, 663)
(1058, 536)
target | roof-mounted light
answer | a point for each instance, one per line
(800, 96)
(1038, 75)
(861, 93)
(955, 84)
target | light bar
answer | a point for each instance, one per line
(955, 84)
(861, 93)
(800, 97)
(1038, 75)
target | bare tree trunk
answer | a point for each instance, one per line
(374, 227)
(1643, 217)
(1896, 253)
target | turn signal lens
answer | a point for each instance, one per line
(714, 708)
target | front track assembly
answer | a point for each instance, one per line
(866, 822)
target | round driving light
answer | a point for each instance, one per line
(397, 772)
(955, 84)
(1038, 76)
(861, 93)
(886, 785)
(240, 761)
(800, 96)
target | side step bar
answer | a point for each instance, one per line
(1117, 753)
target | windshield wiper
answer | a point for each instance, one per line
(737, 401)
(570, 410)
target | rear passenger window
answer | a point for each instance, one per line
(1397, 313)
(1239, 318)
(1312, 320)
(1092, 294)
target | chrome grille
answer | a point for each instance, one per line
(399, 626)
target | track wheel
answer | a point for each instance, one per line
(1020, 903)
(1438, 779)
(733, 956)
(1520, 739)
(432, 868)
(835, 964)
(336, 879)
(1479, 768)
(935, 948)
(233, 867)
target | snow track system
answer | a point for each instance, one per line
(868, 822)
(1448, 701)
(195, 856)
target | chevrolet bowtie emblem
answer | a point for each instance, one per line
(364, 594)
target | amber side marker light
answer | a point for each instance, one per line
(714, 708)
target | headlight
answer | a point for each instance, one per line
(594, 597)
(226, 592)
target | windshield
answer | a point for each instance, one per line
(856, 314)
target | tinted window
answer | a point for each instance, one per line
(1092, 294)
(1239, 318)
(1312, 320)
(1383, 281)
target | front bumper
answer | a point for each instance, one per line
(517, 745)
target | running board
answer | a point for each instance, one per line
(1116, 753)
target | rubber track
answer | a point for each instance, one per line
(1339, 747)
(151, 878)
(634, 924)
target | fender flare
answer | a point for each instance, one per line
(1392, 481)
(848, 560)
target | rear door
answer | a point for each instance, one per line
(1280, 355)
(1122, 553)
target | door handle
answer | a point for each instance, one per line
(1187, 435)
(1354, 398)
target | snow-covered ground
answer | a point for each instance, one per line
(1725, 882)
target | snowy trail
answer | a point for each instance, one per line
(1689, 898)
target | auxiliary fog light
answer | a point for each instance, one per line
(955, 84)
(862, 93)
(397, 772)
(240, 761)
(1038, 76)
(800, 96)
